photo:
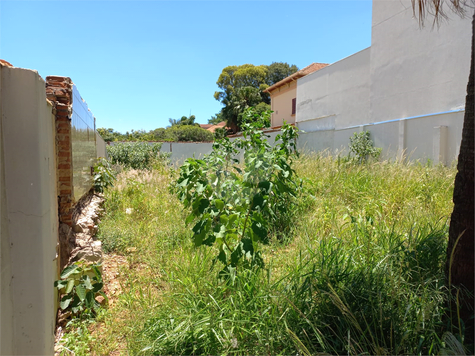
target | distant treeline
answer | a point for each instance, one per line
(184, 129)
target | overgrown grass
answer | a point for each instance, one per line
(361, 271)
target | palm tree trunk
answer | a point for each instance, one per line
(460, 250)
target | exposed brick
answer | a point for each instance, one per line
(65, 179)
(64, 173)
(63, 131)
(63, 154)
(63, 145)
(64, 166)
(65, 192)
(63, 160)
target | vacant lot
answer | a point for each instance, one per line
(359, 271)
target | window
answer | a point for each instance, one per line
(294, 105)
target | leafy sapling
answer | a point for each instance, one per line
(362, 147)
(79, 285)
(233, 205)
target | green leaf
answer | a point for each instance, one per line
(198, 238)
(189, 219)
(183, 183)
(258, 200)
(265, 185)
(70, 286)
(97, 272)
(68, 271)
(209, 241)
(259, 230)
(219, 204)
(65, 301)
(60, 284)
(222, 256)
(89, 299)
(232, 218)
(87, 282)
(81, 291)
(97, 287)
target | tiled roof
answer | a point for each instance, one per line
(211, 127)
(299, 74)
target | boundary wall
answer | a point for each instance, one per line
(37, 201)
(436, 137)
(29, 214)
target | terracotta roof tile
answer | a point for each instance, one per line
(299, 74)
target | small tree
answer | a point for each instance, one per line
(362, 147)
(234, 206)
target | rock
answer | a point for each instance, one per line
(77, 228)
(101, 300)
(92, 252)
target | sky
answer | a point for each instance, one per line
(139, 63)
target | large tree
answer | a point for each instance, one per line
(234, 77)
(236, 103)
(460, 250)
(278, 71)
(242, 86)
(190, 120)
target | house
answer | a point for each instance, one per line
(212, 128)
(283, 95)
(408, 88)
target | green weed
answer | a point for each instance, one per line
(362, 273)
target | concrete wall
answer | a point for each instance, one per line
(416, 71)
(183, 150)
(29, 214)
(335, 96)
(100, 146)
(411, 84)
(281, 104)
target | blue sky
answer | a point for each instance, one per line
(139, 63)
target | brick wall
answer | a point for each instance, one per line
(59, 92)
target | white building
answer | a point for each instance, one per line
(408, 89)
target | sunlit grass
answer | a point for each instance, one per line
(361, 271)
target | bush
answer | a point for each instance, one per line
(136, 155)
(189, 133)
(104, 176)
(362, 147)
(234, 206)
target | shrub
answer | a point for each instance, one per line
(189, 133)
(220, 132)
(234, 207)
(104, 176)
(135, 155)
(80, 283)
(362, 147)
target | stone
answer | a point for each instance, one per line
(101, 300)
(77, 228)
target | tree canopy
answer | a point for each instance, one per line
(242, 87)
(190, 120)
(184, 129)
(278, 71)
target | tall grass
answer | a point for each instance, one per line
(360, 273)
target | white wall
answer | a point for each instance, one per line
(183, 150)
(336, 96)
(413, 73)
(100, 146)
(29, 214)
(416, 71)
